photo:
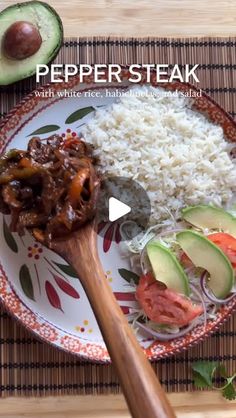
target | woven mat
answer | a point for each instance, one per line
(30, 367)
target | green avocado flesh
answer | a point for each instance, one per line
(210, 217)
(166, 268)
(203, 253)
(49, 24)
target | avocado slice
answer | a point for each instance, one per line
(46, 21)
(210, 217)
(166, 268)
(203, 253)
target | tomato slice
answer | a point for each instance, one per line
(227, 244)
(163, 305)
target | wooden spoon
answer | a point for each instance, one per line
(143, 392)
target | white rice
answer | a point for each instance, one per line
(174, 152)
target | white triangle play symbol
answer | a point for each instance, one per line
(117, 209)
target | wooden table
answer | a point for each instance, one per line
(133, 18)
(145, 17)
(186, 405)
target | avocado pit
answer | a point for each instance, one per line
(21, 40)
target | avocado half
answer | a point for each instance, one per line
(49, 25)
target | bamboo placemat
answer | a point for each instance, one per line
(30, 367)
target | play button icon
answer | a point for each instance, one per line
(123, 209)
(117, 209)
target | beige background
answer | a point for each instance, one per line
(145, 17)
(133, 18)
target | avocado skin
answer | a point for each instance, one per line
(53, 54)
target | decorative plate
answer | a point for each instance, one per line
(36, 285)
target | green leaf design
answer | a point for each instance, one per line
(129, 276)
(10, 240)
(26, 282)
(79, 114)
(67, 269)
(45, 130)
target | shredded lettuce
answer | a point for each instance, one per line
(165, 233)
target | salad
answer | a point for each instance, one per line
(186, 269)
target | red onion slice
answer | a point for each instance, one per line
(208, 293)
(165, 337)
(200, 297)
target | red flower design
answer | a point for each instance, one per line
(53, 296)
(70, 137)
(125, 296)
(125, 309)
(35, 251)
(111, 232)
(65, 286)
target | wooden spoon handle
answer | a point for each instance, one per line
(143, 392)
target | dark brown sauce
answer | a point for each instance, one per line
(51, 188)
